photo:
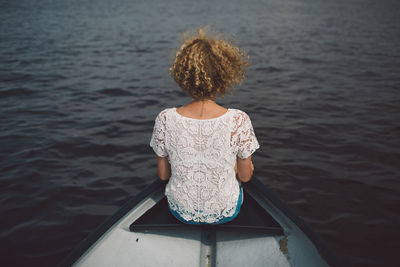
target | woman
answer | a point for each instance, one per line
(203, 148)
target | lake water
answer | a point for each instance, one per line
(82, 81)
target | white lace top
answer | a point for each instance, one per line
(202, 153)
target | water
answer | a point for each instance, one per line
(82, 81)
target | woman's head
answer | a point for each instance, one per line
(205, 67)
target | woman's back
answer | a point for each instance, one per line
(202, 153)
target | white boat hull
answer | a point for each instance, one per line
(199, 246)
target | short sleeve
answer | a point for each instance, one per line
(246, 139)
(157, 141)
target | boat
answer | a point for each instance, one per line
(144, 233)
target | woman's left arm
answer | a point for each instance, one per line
(163, 168)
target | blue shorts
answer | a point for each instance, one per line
(223, 220)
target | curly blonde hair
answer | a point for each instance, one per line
(205, 67)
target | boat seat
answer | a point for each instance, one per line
(251, 218)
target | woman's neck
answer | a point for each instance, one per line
(204, 108)
(203, 100)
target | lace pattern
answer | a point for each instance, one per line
(202, 153)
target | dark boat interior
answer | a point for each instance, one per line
(252, 217)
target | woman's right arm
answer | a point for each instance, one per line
(244, 169)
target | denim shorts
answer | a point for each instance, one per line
(221, 221)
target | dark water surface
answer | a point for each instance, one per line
(82, 81)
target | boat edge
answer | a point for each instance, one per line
(332, 259)
(93, 236)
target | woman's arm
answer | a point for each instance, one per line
(163, 168)
(244, 169)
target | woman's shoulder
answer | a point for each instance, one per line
(165, 111)
(237, 113)
(240, 119)
(163, 114)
